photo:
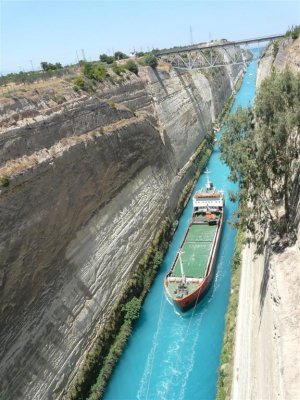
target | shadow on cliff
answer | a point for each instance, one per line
(264, 283)
(187, 85)
(295, 196)
(160, 80)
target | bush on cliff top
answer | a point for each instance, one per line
(94, 71)
(118, 69)
(150, 60)
(91, 72)
(132, 66)
(294, 32)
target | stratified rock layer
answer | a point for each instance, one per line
(90, 180)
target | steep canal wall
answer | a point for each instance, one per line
(267, 339)
(85, 182)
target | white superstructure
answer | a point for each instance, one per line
(208, 199)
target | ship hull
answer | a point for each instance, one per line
(187, 302)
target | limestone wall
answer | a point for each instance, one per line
(106, 171)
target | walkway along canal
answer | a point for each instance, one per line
(172, 355)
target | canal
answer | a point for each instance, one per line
(172, 355)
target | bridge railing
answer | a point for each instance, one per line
(187, 49)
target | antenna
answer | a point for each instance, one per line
(83, 55)
(207, 172)
(181, 265)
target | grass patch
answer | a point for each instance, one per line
(227, 355)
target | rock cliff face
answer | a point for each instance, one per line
(267, 339)
(88, 180)
(287, 54)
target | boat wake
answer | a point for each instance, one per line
(146, 378)
(171, 371)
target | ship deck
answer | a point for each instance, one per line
(195, 251)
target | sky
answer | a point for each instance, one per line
(61, 30)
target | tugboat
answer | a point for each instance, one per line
(193, 268)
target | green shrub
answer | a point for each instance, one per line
(294, 32)
(79, 83)
(132, 66)
(118, 69)
(4, 180)
(151, 60)
(94, 71)
(120, 56)
(50, 67)
(107, 59)
(99, 73)
(132, 310)
(275, 48)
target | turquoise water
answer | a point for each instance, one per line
(171, 355)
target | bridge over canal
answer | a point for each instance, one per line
(207, 55)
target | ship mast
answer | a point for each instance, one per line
(181, 266)
(208, 185)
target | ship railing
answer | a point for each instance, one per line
(178, 279)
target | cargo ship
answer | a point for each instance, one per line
(193, 268)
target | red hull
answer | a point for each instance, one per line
(187, 302)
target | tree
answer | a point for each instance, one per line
(132, 66)
(151, 60)
(106, 59)
(260, 146)
(94, 71)
(294, 32)
(50, 67)
(120, 56)
(44, 66)
(132, 309)
(277, 111)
